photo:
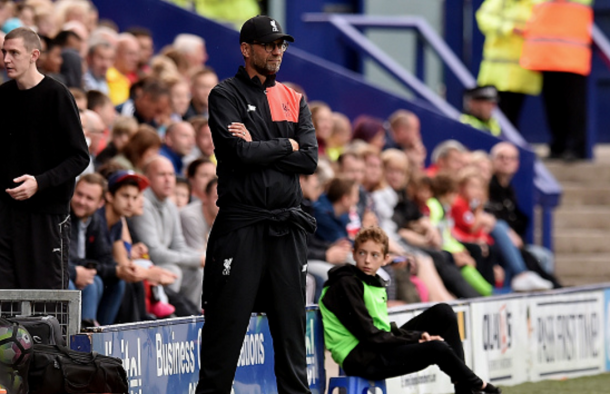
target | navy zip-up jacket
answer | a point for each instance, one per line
(263, 173)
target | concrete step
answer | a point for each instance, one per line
(582, 217)
(580, 280)
(589, 173)
(583, 264)
(581, 241)
(576, 194)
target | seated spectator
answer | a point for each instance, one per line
(147, 49)
(204, 144)
(160, 229)
(192, 47)
(369, 130)
(122, 74)
(72, 64)
(332, 209)
(50, 60)
(180, 98)
(122, 130)
(447, 157)
(150, 102)
(361, 338)
(80, 97)
(480, 160)
(199, 173)
(99, 103)
(339, 137)
(179, 142)
(202, 83)
(139, 149)
(321, 116)
(182, 192)
(197, 218)
(445, 190)
(479, 104)
(91, 265)
(93, 127)
(474, 225)
(404, 131)
(100, 57)
(503, 202)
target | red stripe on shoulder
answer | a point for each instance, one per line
(284, 103)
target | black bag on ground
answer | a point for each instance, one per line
(43, 329)
(56, 369)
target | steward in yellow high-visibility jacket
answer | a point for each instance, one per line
(235, 12)
(479, 103)
(503, 22)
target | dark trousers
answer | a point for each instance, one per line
(565, 101)
(448, 354)
(450, 274)
(510, 104)
(249, 270)
(33, 249)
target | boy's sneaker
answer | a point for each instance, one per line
(530, 281)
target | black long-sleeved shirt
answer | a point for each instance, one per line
(42, 136)
(265, 172)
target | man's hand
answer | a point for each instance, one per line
(27, 189)
(337, 253)
(131, 273)
(295, 145)
(139, 251)
(239, 130)
(425, 337)
(160, 276)
(84, 276)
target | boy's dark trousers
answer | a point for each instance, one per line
(250, 270)
(448, 354)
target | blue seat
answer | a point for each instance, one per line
(356, 385)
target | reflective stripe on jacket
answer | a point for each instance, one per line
(497, 20)
(558, 37)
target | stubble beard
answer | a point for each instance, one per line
(264, 68)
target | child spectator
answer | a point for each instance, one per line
(141, 148)
(361, 339)
(340, 136)
(123, 128)
(182, 192)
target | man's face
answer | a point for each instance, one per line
(108, 114)
(263, 62)
(453, 162)
(53, 60)
(180, 98)
(311, 187)
(202, 87)
(124, 200)
(506, 161)
(181, 139)
(86, 200)
(17, 59)
(151, 108)
(101, 60)
(204, 141)
(197, 57)
(407, 132)
(353, 168)
(482, 109)
(162, 178)
(205, 172)
(127, 56)
(373, 171)
(146, 48)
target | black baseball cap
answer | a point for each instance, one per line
(487, 93)
(262, 28)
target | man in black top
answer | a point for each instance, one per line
(43, 150)
(256, 256)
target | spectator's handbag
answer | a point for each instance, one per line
(55, 369)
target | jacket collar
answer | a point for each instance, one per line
(242, 74)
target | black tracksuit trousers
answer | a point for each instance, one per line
(33, 249)
(448, 354)
(249, 270)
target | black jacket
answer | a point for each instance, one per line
(41, 136)
(263, 173)
(503, 205)
(97, 249)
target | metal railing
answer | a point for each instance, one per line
(65, 305)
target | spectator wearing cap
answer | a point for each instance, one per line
(160, 229)
(179, 142)
(479, 104)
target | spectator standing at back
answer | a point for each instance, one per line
(558, 43)
(479, 104)
(503, 23)
(43, 150)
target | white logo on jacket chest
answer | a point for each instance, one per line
(227, 264)
(251, 108)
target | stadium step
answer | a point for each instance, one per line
(582, 221)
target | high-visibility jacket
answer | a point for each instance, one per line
(500, 67)
(558, 37)
(491, 126)
(233, 11)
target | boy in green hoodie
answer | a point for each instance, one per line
(358, 332)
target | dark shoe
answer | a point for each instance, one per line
(571, 157)
(554, 156)
(489, 389)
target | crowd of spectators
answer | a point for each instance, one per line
(143, 209)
